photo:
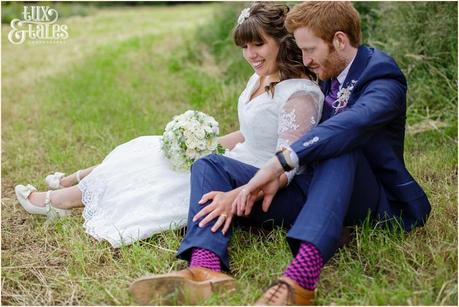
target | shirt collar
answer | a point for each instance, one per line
(342, 76)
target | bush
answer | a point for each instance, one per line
(422, 37)
(11, 11)
(217, 36)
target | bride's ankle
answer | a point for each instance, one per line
(68, 181)
(71, 180)
(57, 200)
(39, 198)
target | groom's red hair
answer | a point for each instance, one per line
(325, 18)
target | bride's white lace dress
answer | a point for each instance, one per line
(134, 193)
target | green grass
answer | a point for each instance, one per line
(66, 106)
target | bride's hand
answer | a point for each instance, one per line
(220, 208)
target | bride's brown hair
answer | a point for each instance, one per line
(268, 18)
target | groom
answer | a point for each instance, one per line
(353, 160)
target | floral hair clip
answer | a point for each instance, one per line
(245, 13)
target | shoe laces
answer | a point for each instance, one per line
(278, 285)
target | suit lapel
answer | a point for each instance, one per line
(355, 72)
(358, 66)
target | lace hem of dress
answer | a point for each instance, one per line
(91, 187)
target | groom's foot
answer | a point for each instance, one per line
(189, 286)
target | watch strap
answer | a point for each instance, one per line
(282, 161)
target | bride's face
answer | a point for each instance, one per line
(262, 56)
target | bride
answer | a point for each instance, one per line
(134, 192)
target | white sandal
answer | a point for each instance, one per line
(22, 194)
(54, 180)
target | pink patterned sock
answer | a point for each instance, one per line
(305, 267)
(205, 259)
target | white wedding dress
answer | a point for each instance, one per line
(134, 193)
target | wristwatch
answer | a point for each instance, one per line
(282, 161)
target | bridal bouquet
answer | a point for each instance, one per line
(188, 137)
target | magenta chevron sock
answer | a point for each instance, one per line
(305, 267)
(205, 259)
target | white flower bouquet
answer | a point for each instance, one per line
(188, 137)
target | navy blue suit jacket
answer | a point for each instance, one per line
(373, 122)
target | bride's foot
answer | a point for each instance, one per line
(58, 180)
(38, 202)
(37, 199)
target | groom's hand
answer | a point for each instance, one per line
(265, 180)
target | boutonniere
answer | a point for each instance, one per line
(343, 97)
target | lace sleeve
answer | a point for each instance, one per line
(299, 114)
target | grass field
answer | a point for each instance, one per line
(124, 72)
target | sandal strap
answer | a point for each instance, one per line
(278, 284)
(48, 200)
(52, 212)
(78, 176)
(48, 203)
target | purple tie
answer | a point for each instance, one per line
(333, 94)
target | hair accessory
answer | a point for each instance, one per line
(245, 13)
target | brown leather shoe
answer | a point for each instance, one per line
(346, 237)
(189, 286)
(285, 291)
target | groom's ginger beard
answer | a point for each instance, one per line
(332, 66)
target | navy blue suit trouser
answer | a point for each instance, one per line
(314, 207)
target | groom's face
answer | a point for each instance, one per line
(321, 58)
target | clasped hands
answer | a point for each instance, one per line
(266, 182)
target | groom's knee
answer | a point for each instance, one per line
(209, 163)
(201, 163)
(340, 163)
(214, 159)
(208, 172)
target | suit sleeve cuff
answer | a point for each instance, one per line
(295, 161)
(290, 175)
(293, 157)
